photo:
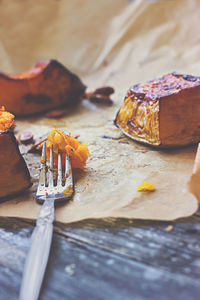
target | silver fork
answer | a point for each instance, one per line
(37, 258)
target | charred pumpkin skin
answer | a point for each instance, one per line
(164, 112)
(14, 175)
(44, 87)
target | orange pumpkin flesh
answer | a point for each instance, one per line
(46, 86)
(77, 152)
(6, 119)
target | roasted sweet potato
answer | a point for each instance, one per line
(163, 112)
(44, 87)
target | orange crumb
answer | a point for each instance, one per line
(68, 191)
(43, 160)
(146, 186)
(6, 119)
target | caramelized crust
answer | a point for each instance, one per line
(167, 85)
(163, 112)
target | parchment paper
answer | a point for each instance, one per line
(105, 42)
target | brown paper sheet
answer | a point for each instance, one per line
(105, 43)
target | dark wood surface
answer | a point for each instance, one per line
(108, 259)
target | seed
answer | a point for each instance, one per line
(104, 90)
(26, 137)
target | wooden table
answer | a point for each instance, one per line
(108, 259)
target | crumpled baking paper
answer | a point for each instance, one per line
(118, 43)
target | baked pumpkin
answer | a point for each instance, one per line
(14, 176)
(163, 112)
(60, 141)
(46, 86)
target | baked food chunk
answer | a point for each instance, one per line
(14, 175)
(60, 141)
(163, 112)
(46, 86)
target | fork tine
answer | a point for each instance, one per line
(68, 176)
(48, 189)
(59, 180)
(68, 169)
(43, 179)
(51, 171)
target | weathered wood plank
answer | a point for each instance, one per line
(177, 251)
(100, 259)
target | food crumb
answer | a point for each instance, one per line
(43, 160)
(146, 186)
(70, 269)
(169, 228)
(68, 191)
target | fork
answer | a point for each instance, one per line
(49, 195)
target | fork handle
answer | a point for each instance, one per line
(38, 254)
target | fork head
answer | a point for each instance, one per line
(63, 189)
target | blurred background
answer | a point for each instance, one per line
(117, 42)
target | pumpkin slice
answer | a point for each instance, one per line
(14, 175)
(163, 112)
(46, 86)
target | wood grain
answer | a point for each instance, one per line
(108, 258)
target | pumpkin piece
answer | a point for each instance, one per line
(77, 152)
(46, 86)
(163, 112)
(14, 177)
